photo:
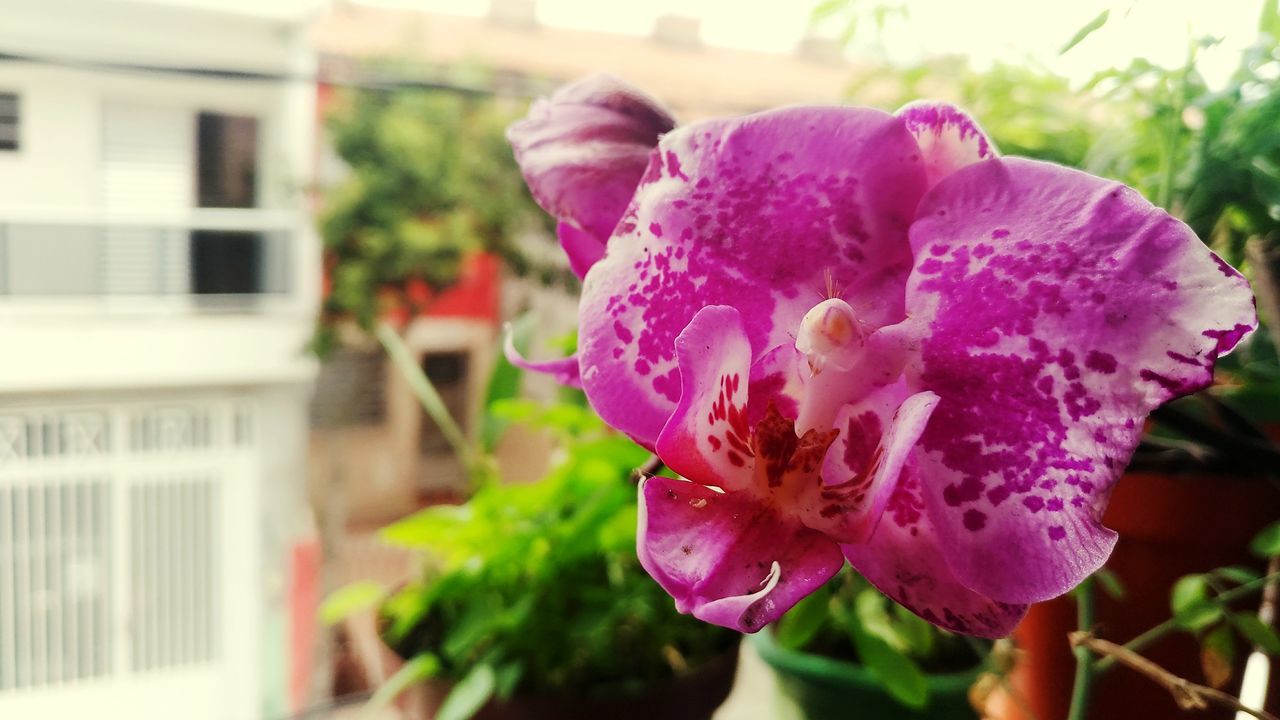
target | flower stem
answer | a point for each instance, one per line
(1084, 659)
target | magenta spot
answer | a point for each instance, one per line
(969, 490)
(1184, 359)
(1034, 503)
(1057, 532)
(673, 166)
(998, 495)
(623, 333)
(1104, 363)
(1054, 504)
(655, 229)
(999, 234)
(938, 249)
(974, 520)
(1168, 383)
(668, 385)
(1227, 339)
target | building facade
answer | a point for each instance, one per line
(158, 281)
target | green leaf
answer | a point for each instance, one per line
(1237, 574)
(1256, 632)
(1267, 543)
(899, 674)
(351, 599)
(827, 9)
(1192, 608)
(427, 395)
(470, 694)
(421, 667)
(917, 632)
(1088, 29)
(803, 621)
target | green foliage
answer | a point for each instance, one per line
(1203, 605)
(1189, 600)
(350, 599)
(849, 619)
(540, 582)
(1267, 543)
(1025, 109)
(431, 179)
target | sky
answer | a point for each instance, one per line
(983, 30)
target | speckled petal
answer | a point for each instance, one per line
(903, 559)
(1056, 310)
(778, 379)
(877, 438)
(584, 149)
(757, 213)
(707, 439)
(726, 558)
(949, 139)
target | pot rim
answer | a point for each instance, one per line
(823, 668)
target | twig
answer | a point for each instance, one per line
(1188, 695)
(651, 467)
(1140, 642)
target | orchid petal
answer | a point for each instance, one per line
(563, 370)
(727, 558)
(949, 139)
(581, 247)
(877, 436)
(762, 213)
(583, 150)
(903, 559)
(707, 439)
(777, 380)
(1056, 309)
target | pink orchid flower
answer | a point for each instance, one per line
(867, 337)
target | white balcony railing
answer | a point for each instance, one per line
(224, 260)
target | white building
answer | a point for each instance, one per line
(158, 279)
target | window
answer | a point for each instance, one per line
(226, 161)
(448, 372)
(8, 121)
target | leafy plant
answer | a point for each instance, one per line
(431, 179)
(849, 619)
(536, 588)
(1206, 606)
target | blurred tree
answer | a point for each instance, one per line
(431, 179)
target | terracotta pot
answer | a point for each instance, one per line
(1170, 526)
(694, 696)
(815, 687)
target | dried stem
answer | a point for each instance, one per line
(1188, 695)
(651, 467)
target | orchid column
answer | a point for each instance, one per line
(866, 337)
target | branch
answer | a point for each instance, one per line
(1188, 695)
(1159, 631)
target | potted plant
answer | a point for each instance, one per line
(531, 603)
(848, 645)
